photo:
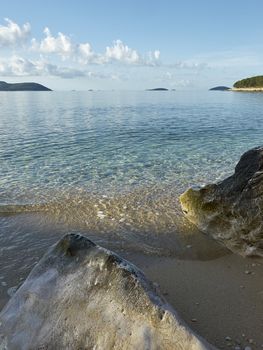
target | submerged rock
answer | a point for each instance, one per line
(81, 296)
(232, 210)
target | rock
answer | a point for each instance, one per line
(231, 211)
(81, 296)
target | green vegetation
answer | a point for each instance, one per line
(253, 82)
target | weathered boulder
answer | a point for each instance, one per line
(232, 210)
(81, 296)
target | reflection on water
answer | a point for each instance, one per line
(112, 165)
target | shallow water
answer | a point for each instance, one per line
(112, 165)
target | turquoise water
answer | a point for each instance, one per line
(57, 143)
(112, 164)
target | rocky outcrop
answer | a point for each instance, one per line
(81, 296)
(232, 210)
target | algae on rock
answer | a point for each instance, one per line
(231, 210)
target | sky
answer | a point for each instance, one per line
(130, 44)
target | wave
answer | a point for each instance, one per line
(146, 219)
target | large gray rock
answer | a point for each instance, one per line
(81, 296)
(232, 210)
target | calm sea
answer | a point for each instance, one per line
(112, 165)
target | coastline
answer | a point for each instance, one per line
(252, 89)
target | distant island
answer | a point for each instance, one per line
(249, 84)
(252, 84)
(220, 88)
(157, 89)
(4, 86)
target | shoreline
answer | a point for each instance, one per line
(255, 89)
(217, 293)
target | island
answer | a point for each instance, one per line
(249, 84)
(157, 89)
(4, 86)
(220, 88)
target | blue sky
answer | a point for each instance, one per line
(131, 44)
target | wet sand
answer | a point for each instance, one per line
(219, 294)
(221, 299)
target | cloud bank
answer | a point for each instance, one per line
(63, 46)
(60, 56)
(21, 67)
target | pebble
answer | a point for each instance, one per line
(194, 320)
(228, 338)
(100, 214)
(247, 272)
(237, 348)
(247, 348)
(3, 284)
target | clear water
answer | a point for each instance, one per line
(112, 165)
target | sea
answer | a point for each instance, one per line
(111, 165)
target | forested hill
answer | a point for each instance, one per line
(253, 82)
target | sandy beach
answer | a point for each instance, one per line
(248, 89)
(221, 299)
(217, 293)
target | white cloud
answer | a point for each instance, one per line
(78, 56)
(188, 64)
(63, 46)
(86, 55)
(60, 45)
(121, 53)
(22, 67)
(17, 66)
(12, 34)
